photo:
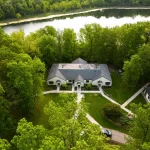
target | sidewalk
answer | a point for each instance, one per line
(134, 96)
(96, 92)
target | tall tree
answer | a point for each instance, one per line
(26, 78)
(4, 144)
(7, 122)
(133, 70)
(29, 136)
(139, 132)
(71, 134)
(69, 45)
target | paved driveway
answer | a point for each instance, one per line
(118, 137)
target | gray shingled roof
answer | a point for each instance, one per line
(86, 72)
(79, 61)
(104, 72)
(54, 72)
(79, 78)
(148, 90)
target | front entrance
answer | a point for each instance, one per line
(58, 82)
(79, 88)
(99, 85)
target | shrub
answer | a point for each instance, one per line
(124, 120)
(112, 111)
(64, 86)
(89, 86)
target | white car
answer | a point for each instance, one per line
(107, 132)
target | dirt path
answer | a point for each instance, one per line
(67, 14)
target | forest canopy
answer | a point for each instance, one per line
(24, 61)
(21, 8)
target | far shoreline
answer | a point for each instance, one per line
(6, 23)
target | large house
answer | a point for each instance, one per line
(79, 73)
(147, 94)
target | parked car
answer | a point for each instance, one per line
(107, 132)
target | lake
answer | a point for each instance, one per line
(106, 18)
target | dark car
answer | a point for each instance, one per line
(107, 132)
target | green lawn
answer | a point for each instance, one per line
(39, 118)
(137, 100)
(118, 92)
(96, 103)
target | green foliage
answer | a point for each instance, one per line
(16, 9)
(139, 133)
(60, 111)
(18, 16)
(96, 104)
(112, 111)
(7, 122)
(124, 120)
(22, 66)
(64, 85)
(26, 78)
(4, 144)
(133, 70)
(89, 86)
(69, 45)
(136, 69)
(29, 136)
(67, 134)
(1, 89)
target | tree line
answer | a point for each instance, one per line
(21, 8)
(126, 47)
(25, 59)
(66, 132)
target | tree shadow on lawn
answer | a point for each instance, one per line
(39, 117)
(95, 104)
(118, 91)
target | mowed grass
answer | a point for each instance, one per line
(118, 92)
(39, 117)
(95, 104)
(139, 99)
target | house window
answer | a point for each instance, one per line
(87, 81)
(58, 81)
(99, 81)
(148, 97)
(51, 82)
(70, 81)
(107, 83)
(78, 83)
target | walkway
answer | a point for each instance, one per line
(72, 87)
(117, 136)
(58, 88)
(91, 119)
(98, 92)
(134, 96)
(113, 101)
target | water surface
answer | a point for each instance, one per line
(105, 18)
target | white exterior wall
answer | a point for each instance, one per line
(90, 81)
(148, 99)
(75, 84)
(69, 82)
(55, 79)
(95, 82)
